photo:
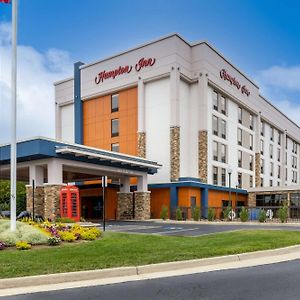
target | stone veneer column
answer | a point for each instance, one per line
(142, 144)
(202, 155)
(257, 170)
(125, 206)
(141, 205)
(174, 153)
(38, 200)
(52, 201)
(252, 200)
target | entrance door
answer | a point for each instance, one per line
(92, 207)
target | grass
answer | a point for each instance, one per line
(119, 249)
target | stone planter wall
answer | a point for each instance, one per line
(52, 201)
(38, 200)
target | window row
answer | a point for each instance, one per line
(219, 152)
(241, 140)
(219, 103)
(216, 176)
(245, 118)
(271, 150)
(294, 162)
(243, 157)
(294, 176)
(272, 133)
(219, 127)
(262, 168)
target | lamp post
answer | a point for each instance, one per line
(229, 175)
(236, 193)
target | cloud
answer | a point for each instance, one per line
(36, 73)
(281, 85)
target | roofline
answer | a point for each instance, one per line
(63, 81)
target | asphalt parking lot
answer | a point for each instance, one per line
(187, 229)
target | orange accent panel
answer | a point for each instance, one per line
(159, 197)
(215, 198)
(97, 118)
(185, 194)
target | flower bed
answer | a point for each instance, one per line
(45, 233)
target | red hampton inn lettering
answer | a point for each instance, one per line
(224, 75)
(141, 64)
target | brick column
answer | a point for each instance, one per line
(141, 205)
(38, 200)
(257, 169)
(125, 206)
(174, 153)
(52, 201)
(202, 155)
(142, 144)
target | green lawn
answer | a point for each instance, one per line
(118, 249)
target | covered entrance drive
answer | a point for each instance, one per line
(52, 164)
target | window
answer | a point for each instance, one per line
(271, 133)
(262, 128)
(262, 166)
(223, 153)
(240, 115)
(278, 154)
(223, 129)
(286, 142)
(295, 162)
(114, 102)
(251, 162)
(261, 147)
(271, 182)
(215, 151)
(115, 147)
(223, 177)
(239, 179)
(193, 201)
(285, 158)
(114, 127)
(251, 142)
(271, 169)
(223, 105)
(278, 172)
(271, 151)
(261, 182)
(251, 181)
(251, 121)
(215, 125)
(215, 100)
(240, 155)
(239, 136)
(279, 138)
(286, 174)
(215, 175)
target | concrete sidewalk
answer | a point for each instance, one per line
(33, 284)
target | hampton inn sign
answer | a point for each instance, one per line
(141, 64)
(227, 77)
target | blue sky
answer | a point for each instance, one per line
(260, 37)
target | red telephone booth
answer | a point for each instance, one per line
(69, 203)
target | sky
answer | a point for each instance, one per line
(260, 37)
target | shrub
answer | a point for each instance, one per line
(262, 216)
(283, 214)
(2, 246)
(164, 212)
(22, 245)
(226, 213)
(211, 214)
(54, 241)
(244, 214)
(67, 236)
(178, 214)
(64, 220)
(196, 213)
(88, 235)
(97, 232)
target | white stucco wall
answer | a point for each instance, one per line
(67, 123)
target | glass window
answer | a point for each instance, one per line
(251, 181)
(223, 129)
(262, 128)
(215, 100)
(271, 133)
(271, 151)
(215, 175)
(262, 166)
(251, 141)
(279, 138)
(251, 121)
(239, 135)
(223, 153)
(240, 115)
(115, 147)
(278, 172)
(215, 151)
(215, 125)
(114, 102)
(271, 169)
(223, 105)
(239, 180)
(114, 127)
(278, 154)
(261, 181)
(251, 162)
(271, 182)
(240, 155)
(193, 201)
(262, 147)
(223, 176)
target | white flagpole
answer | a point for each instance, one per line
(13, 147)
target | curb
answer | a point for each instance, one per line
(40, 280)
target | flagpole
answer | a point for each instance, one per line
(13, 147)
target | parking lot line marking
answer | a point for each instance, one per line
(174, 231)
